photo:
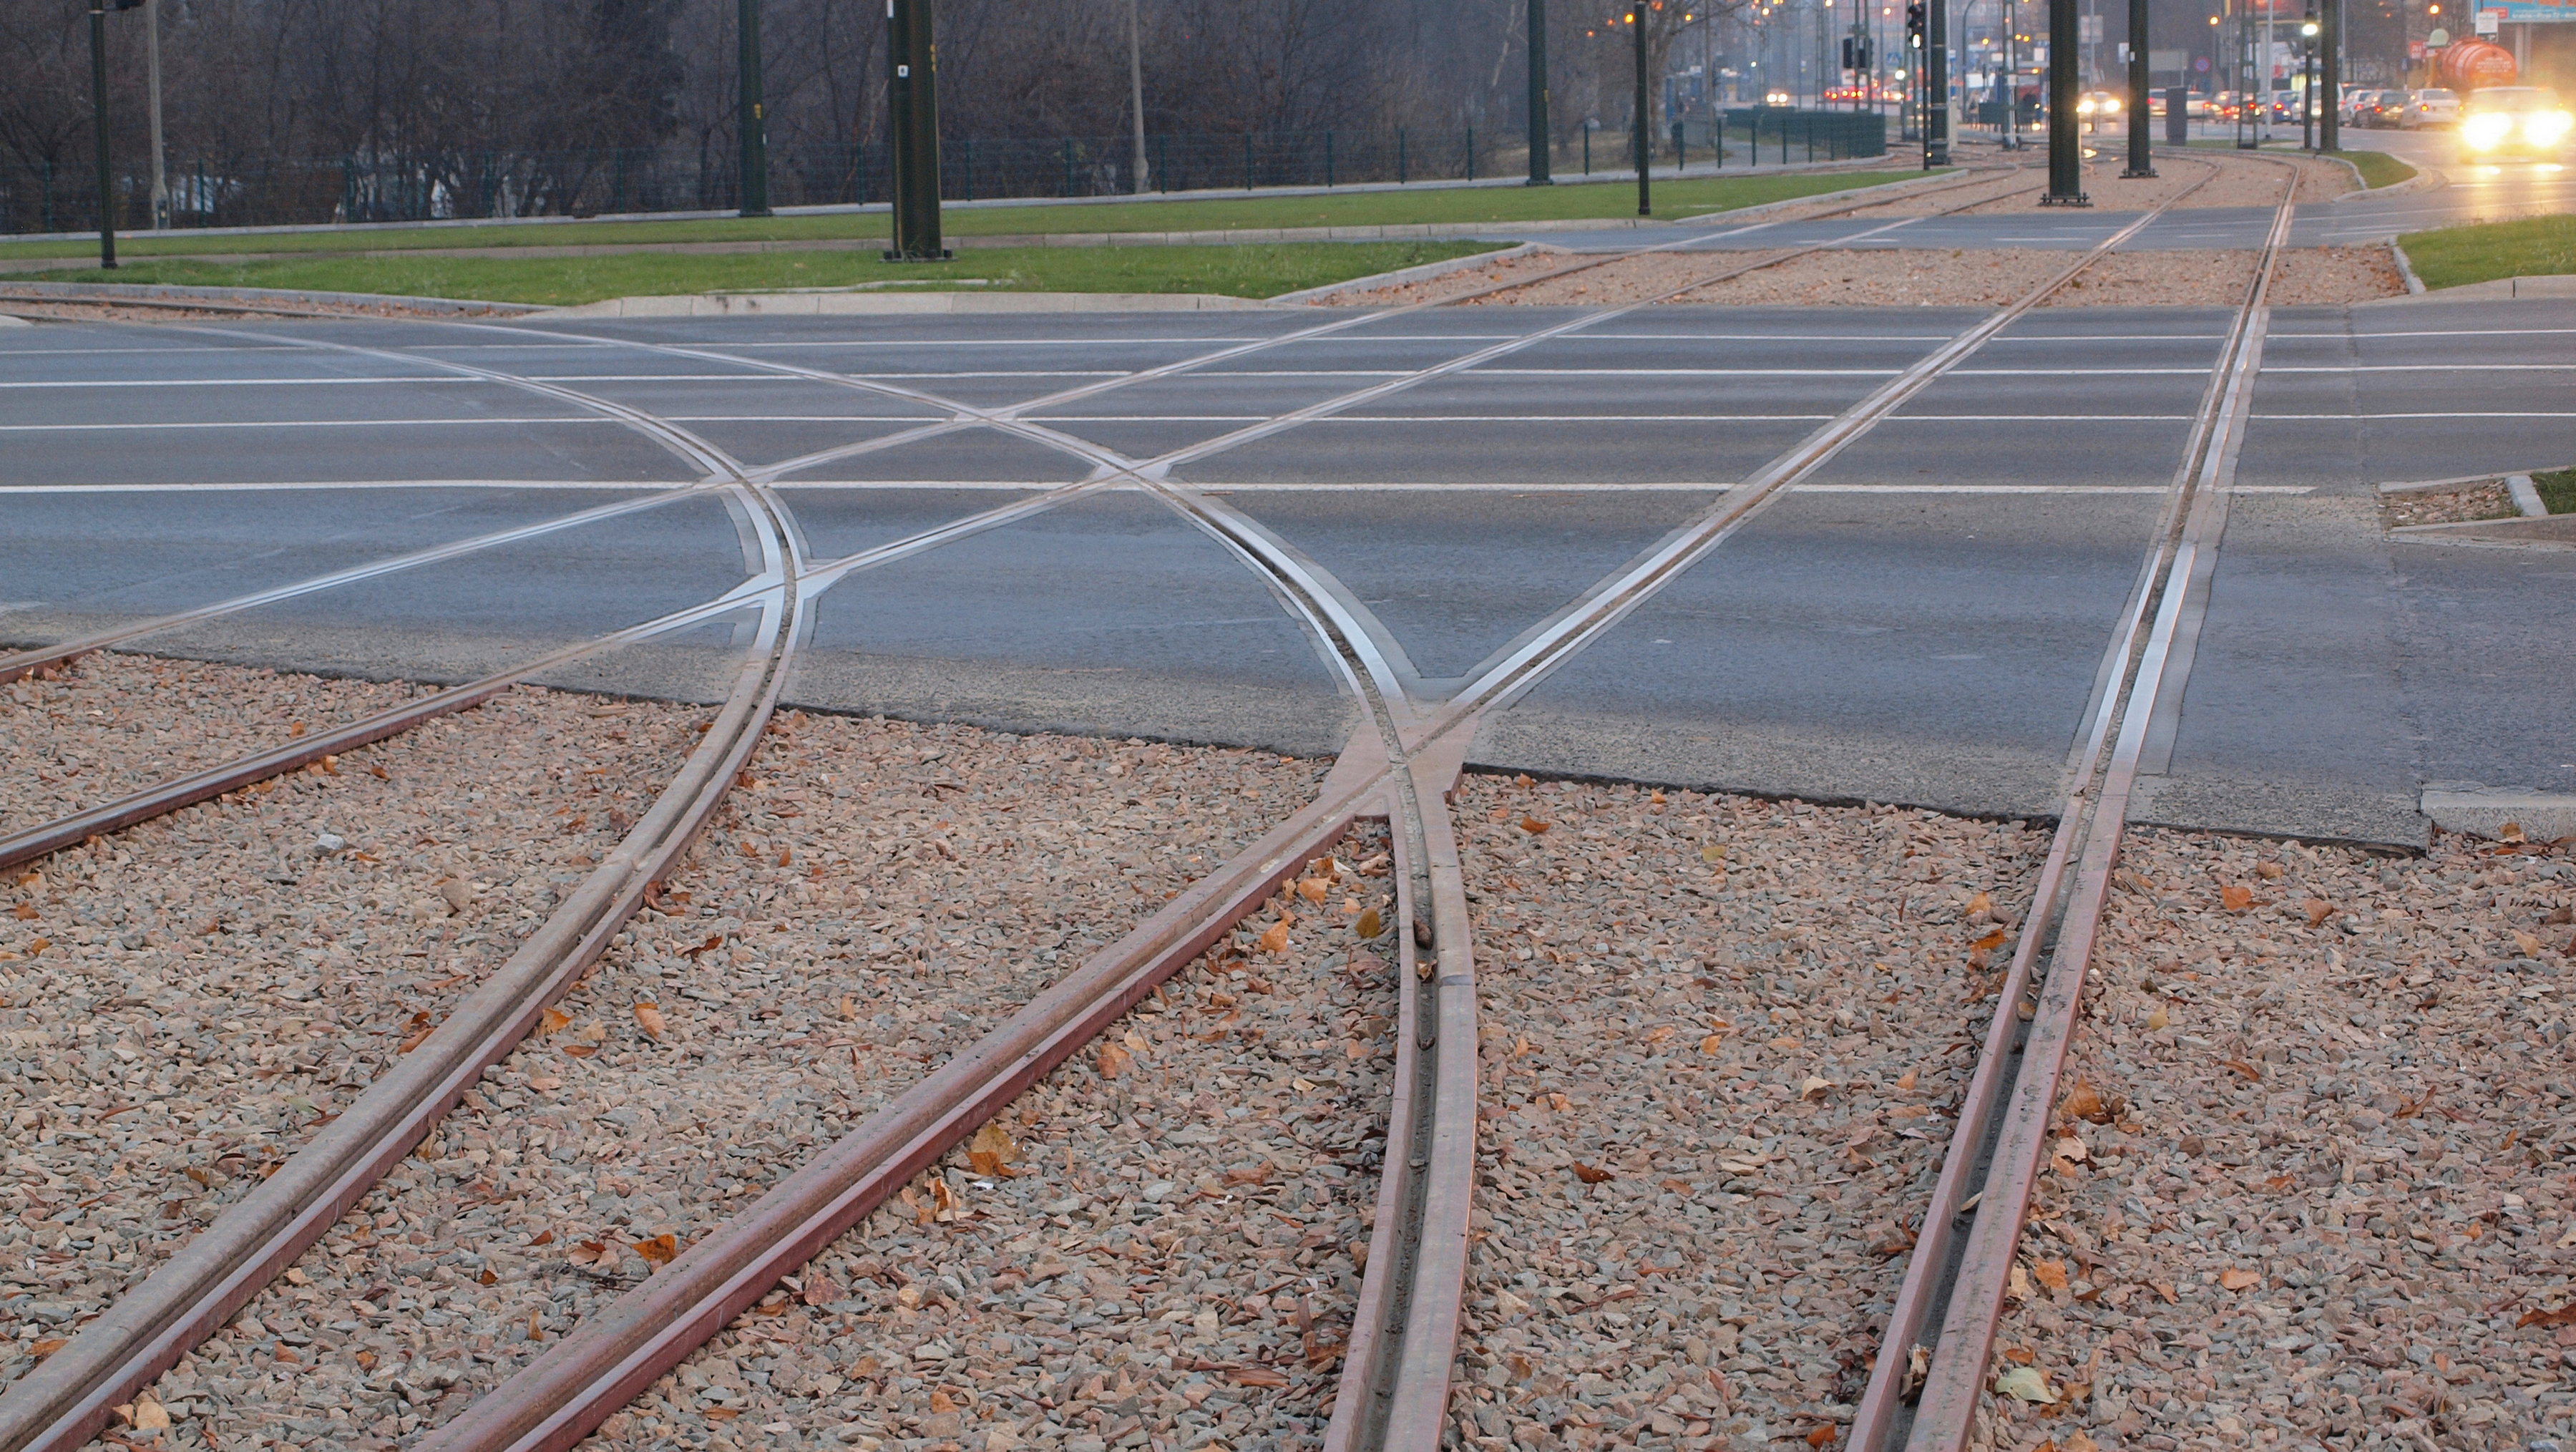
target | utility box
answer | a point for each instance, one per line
(2177, 115)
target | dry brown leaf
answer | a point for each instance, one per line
(921, 1213)
(1989, 942)
(649, 1018)
(721, 1414)
(1590, 1176)
(1822, 1436)
(1815, 1087)
(1534, 826)
(1369, 925)
(26, 912)
(2318, 910)
(2237, 1279)
(1983, 902)
(1257, 1175)
(2529, 944)
(940, 1401)
(1312, 889)
(50, 1345)
(2235, 899)
(2050, 1273)
(992, 1151)
(1905, 1081)
(1274, 939)
(659, 1250)
(2563, 1316)
(552, 1020)
(1113, 1060)
(1259, 1376)
(2510, 832)
(487, 1278)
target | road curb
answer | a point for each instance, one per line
(171, 294)
(2561, 285)
(2485, 811)
(844, 304)
(1403, 275)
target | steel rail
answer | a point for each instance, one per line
(69, 1397)
(1954, 1381)
(1965, 1295)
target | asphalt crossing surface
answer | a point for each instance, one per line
(1920, 623)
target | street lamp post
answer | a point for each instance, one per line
(912, 98)
(1136, 91)
(2308, 91)
(152, 64)
(1936, 84)
(1538, 157)
(2330, 74)
(98, 123)
(2142, 156)
(2065, 139)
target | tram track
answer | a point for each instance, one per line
(1404, 764)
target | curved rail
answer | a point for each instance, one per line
(1929, 1402)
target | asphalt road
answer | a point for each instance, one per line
(1922, 623)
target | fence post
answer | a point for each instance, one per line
(49, 194)
(1328, 160)
(1681, 152)
(1400, 177)
(970, 168)
(1587, 148)
(1068, 166)
(1247, 161)
(1471, 153)
(1163, 162)
(204, 199)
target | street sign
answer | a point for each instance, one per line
(2414, 50)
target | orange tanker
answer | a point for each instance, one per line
(2466, 64)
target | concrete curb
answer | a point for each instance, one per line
(2406, 269)
(1403, 275)
(253, 297)
(2526, 496)
(2548, 532)
(2485, 811)
(2425, 179)
(2422, 486)
(845, 304)
(2555, 285)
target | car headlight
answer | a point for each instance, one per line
(2486, 129)
(2544, 128)
(2084, 107)
(2111, 104)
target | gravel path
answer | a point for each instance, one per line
(112, 724)
(1720, 1037)
(874, 897)
(2448, 506)
(2317, 1179)
(1173, 1262)
(179, 1002)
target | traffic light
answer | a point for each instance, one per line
(1914, 25)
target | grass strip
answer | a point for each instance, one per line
(2557, 490)
(1451, 206)
(1258, 270)
(2485, 251)
(2378, 169)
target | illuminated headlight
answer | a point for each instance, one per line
(2084, 107)
(2111, 104)
(2486, 129)
(2545, 128)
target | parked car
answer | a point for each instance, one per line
(2525, 123)
(2428, 108)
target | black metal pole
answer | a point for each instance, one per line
(912, 96)
(1644, 131)
(2330, 75)
(98, 122)
(1538, 133)
(2308, 92)
(753, 120)
(2142, 153)
(2065, 134)
(1936, 85)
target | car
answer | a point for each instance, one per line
(2374, 110)
(2430, 107)
(2098, 108)
(2499, 123)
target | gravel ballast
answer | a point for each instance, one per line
(874, 896)
(2312, 1177)
(1720, 1038)
(184, 1000)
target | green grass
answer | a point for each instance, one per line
(2557, 490)
(1255, 270)
(2484, 251)
(1564, 202)
(2378, 168)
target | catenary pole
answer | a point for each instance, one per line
(1936, 85)
(1538, 131)
(2065, 139)
(753, 121)
(2330, 74)
(1642, 128)
(912, 98)
(2142, 154)
(98, 122)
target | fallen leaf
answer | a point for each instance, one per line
(2235, 899)
(1257, 1175)
(659, 1250)
(2317, 909)
(1905, 1081)
(50, 1345)
(2510, 832)
(1712, 854)
(940, 1401)
(1590, 1176)
(1113, 1061)
(2252, 1074)
(544, 1237)
(552, 1020)
(1274, 939)
(1982, 903)
(2563, 1316)
(2078, 1442)
(487, 1277)
(26, 912)
(1312, 889)
(1370, 924)
(2085, 1102)
(1259, 1376)
(2529, 945)
(1534, 826)
(1814, 1088)
(1712, 1043)
(2028, 1384)
(2157, 1017)
(721, 1414)
(1989, 942)
(649, 1018)
(2049, 1273)
(2238, 1279)
(992, 1151)
(1822, 1436)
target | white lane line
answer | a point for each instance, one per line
(391, 423)
(1007, 486)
